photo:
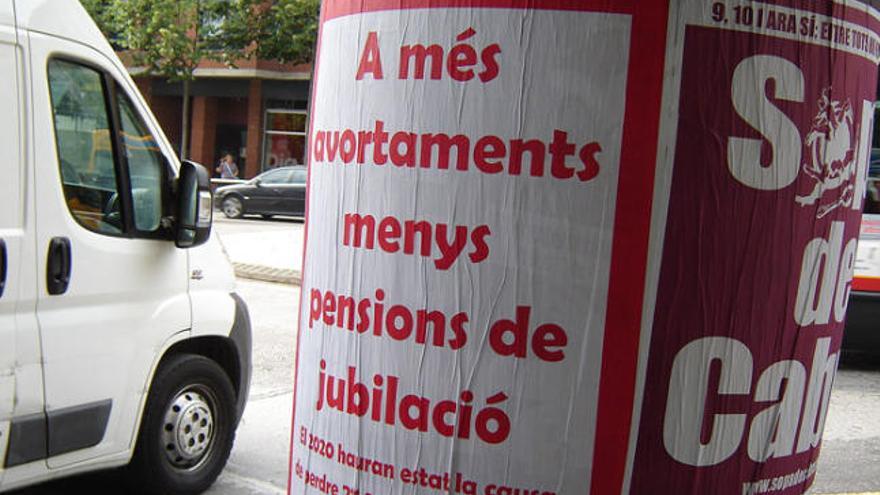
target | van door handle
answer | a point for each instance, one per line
(58, 266)
(3, 265)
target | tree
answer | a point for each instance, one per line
(104, 15)
(169, 38)
(287, 31)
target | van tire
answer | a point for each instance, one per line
(187, 429)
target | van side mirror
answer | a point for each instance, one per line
(194, 206)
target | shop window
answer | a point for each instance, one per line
(285, 138)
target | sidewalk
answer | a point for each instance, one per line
(270, 256)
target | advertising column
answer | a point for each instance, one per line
(767, 135)
(462, 193)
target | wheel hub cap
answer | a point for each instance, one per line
(188, 429)
(232, 207)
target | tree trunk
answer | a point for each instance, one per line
(184, 122)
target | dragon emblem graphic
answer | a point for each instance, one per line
(830, 156)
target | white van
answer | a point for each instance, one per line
(122, 340)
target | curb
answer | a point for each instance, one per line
(267, 274)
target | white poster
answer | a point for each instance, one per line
(463, 182)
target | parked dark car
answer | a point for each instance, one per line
(280, 191)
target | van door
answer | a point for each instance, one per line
(113, 285)
(21, 379)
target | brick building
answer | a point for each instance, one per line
(256, 112)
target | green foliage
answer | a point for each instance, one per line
(104, 14)
(157, 33)
(170, 37)
(227, 28)
(287, 31)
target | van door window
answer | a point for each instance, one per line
(112, 169)
(145, 165)
(82, 136)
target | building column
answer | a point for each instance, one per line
(254, 144)
(203, 130)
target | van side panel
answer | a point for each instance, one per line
(126, 296)
(21, 379)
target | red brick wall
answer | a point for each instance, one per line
(254, 128)
(203, 127)
(261, 64)
(145, 86)
(206, 114)
(232, 111)
(167, 110)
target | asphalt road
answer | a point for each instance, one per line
(850, 458)
(253, 224)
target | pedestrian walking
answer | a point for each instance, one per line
(227, 167)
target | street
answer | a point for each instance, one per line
(850, 457)
(849, 462)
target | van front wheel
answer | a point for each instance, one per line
(187, 429)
